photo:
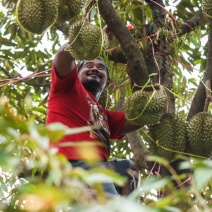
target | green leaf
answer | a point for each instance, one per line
(1, 14)
(118, 94)
(159, 160)
(153, 183)
(105, 176)
(131, 7)
(6, 42)
(202, 175)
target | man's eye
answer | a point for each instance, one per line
(101, 68)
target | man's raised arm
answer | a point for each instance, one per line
(64, 63)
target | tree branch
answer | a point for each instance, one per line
(137, 66)
(23, 80)
(158, 13)
(117, 56)
(200, 96)
(193, 23)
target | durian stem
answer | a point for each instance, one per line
(138, 148)
(90, 4)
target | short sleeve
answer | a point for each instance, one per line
(62, 84)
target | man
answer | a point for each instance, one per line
(73, 101)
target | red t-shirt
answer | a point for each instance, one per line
(70, 104)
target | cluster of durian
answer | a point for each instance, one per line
(145, 107)
(200, 135)
(207, 8)
(86, 41)
(35, 16)
(69, 9)
(169, 137)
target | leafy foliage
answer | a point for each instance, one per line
(44, 180)
(33, 178)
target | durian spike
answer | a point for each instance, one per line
(161, 87)
(208, 95)
(206, 8)
(104, 99)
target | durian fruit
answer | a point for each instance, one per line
(105, 99)
(69, 9)
(145, 107)
(74, 7)
(86, 41)
(170, 135)
(200, 135)
(207, 8)
(63, 12)
(36, 16)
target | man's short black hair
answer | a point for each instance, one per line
(98, 58)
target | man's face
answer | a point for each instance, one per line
(93, 73)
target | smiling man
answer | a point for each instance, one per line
(94, 76)
(73, 101)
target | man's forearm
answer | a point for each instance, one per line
(64, 62)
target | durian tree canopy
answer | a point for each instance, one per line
(170, 38)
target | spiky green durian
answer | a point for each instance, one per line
(63, 12)
(86, 41)
(36, 16)
(145, 107)
(74, 7)
(105, 100)
(207, 8)
(168, 138)
(200, 135)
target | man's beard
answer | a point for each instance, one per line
(92, 85)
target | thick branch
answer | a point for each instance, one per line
(208, 72)
(157, 6)
(117, 56)
(197, 104)
(200, 96)
(161, 64)
(193, 23)
(138, 148)
(138, 70)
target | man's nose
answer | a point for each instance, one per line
(94, 68)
